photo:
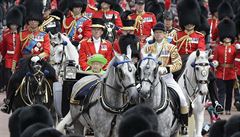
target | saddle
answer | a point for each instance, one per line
(84, 93)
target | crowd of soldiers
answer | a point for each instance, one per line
(177, 34)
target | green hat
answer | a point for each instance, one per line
(97, 58)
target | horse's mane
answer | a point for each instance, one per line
(109, 67)
(191, 59)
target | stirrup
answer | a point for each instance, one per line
(183, 130)
(218, 108)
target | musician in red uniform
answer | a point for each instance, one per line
(94, 45)
(10, 36)
(90, 10)
(144, 21)
(106, 12)
(223, 61)
(76, 25)
(213, 20)
(188, 39)
(32, 45)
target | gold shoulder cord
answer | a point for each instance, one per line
(182, 40)
(23, 40)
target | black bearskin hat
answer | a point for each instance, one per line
(29, 131)
(237, 22)
(159, 26)
(34, 114)
(188, 13)
(227, 29)
(34, 9)
(132, 124)
(148, 133)
(58, 13)
(217, 129)
(237, 134)
(225, 10)
(13, 123)
(145, 111)
(213, 5)
(131, 40)
(128, 25)
(47, 132)
(204, 26)
(78, 3)
(232, 126)
(14, 16)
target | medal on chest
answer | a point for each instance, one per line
(103, 47)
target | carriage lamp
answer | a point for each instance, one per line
(70, 70)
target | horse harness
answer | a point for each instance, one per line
(106, 106)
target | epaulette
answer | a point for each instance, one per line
(199, 33)
(91, 7)
(89, 40)
(55, 17)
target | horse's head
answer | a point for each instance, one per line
(125, 70)
(201, 68)
(148, 69)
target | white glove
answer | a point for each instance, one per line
(215, 63)
(35, 59)
(162, 70)
(237, 46)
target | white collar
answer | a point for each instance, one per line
(96, 40)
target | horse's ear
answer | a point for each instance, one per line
(50, 35)
(129, 52)
(198, 53)
(209, 52)
(59, 35)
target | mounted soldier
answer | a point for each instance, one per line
(76, 25)
(32, 43)
(52, 19)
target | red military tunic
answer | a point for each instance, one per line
(225, 56)
(108, 15)
(8, 45)
(90, 10)
(77, 28)
(88, 49)
(116, 46)
(144, 23)
(186, 44)
(41, 48)
(213, 22)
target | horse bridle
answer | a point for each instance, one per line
(115, 64)
(204, 72)
(148, 66)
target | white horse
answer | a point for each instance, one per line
(112, 95)
(62, 50)
(194, 83)
(155, 94)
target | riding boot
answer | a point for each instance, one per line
(184, 120)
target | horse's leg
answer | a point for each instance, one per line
(78, 128)
(198, 112)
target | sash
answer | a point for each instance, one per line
(32, 43)
(78, 23)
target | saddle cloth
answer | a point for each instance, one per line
(84, 93)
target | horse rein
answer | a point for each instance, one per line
(186, 79)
